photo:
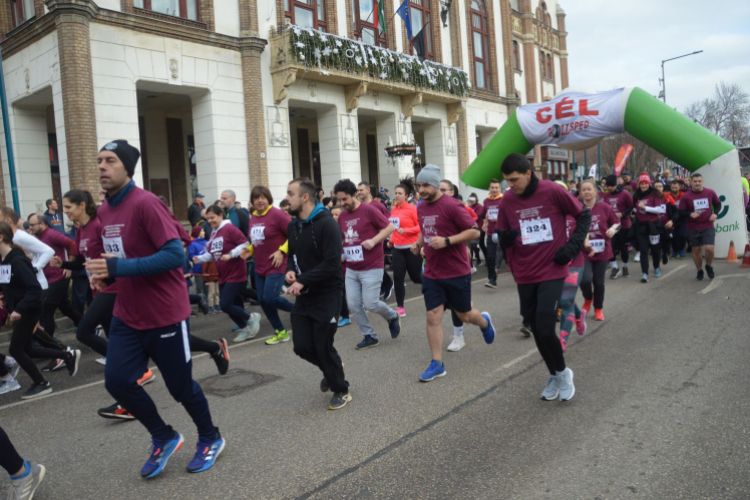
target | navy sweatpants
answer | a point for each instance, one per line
(128, 352)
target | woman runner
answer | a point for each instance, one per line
(404, 219)
(649, 206)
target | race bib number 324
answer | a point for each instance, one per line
(536, 231)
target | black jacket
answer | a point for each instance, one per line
(23, 293)
(315, 249)
(194, 213)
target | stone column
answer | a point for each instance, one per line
(72, 19)
(336, 160)
(251, 48)
(563, 47)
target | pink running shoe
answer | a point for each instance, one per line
(581, 324)
(564, 345)
(401, 312)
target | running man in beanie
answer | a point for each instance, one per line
(144, 255)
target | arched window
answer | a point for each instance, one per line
(364, 23)
(306, 13)
(516, 56)
(187, 9)
(480, 41)
(542, 65)
(549, 67)
(420, 18)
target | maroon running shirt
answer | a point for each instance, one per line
(379, 205)
(267, 233)
(491, 209)
(702, 203)
(443, 218)
(602, 218)
(620, 202)
(89, 244)
(59, 243)
(540, 221)
(138, 227)
(360, 225)
(652, 200)
(222, 241)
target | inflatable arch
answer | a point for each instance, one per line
(578, 120)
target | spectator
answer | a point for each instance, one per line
(53, 217)
(284, 206)
(239, 218)
(197, 247)
(195, 212)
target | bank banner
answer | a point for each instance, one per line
(573, 117)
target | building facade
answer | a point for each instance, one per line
(227, 94)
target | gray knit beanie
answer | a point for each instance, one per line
(430, 174)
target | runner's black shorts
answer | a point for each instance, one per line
(701, 237)
(453, 293)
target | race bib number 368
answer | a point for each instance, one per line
(536, 231)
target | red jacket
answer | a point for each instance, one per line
(407, 216)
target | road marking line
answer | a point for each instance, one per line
(670, 273)
(515, 361)
(712, 286)
(100, 382)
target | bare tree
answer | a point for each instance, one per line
(726, 114)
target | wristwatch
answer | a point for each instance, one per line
(447, 241)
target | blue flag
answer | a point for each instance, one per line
(405, 14)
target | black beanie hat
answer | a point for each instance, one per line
(127, 154)
(610, 180)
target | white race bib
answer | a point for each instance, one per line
(114, 246)
(654, 239)
(492, 213)
(396, 222)
(598, 245)
(257, 233)
(217, 246)
(536, 231)
(701, 204)
(5, 274)
(354, 254)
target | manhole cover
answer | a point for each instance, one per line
(235, 382)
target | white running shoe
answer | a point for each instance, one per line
(251, 330)
(101, 361)
(637, 257)
(567, 389)
(6, 386)
(12, 365)
(23, 489)
(552, 391)
(457, 344)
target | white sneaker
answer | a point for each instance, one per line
(637, 257)
(552, 391)
(567, 389)
(5, 386)
(251, 330)
(101, 361)
(457, 344)
(12, 365)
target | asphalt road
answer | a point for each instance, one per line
(660, 410)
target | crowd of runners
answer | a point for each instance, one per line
(138, 272)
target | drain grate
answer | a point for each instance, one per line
(235, 382)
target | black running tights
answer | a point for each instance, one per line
(405, 262)
(539, 303)
(21, 349)
(10, 460)
(594, 272)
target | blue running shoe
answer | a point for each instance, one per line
(160, 453)
(657, 272)
(433, 371)
(489, 332)
(344, 322)
(395, 326)
(207, 453)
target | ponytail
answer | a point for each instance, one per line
(78, 196)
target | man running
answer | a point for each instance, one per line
(314, 273)
(696, 206)
(621, 202)
(491, 209)
(446, 227)
(364, 228)
(145, 256)
(364, 193)
(532, 229)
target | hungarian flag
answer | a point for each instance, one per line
(380, 14)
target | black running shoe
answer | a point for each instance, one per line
(710, 272)
(665, 258)
(37, 390)
(72, 362)
(395, 327)
(221, 358)
(53, 365)
(625, 272)
(526, 330)
(615, 273)
(115, 412)
(339, 400)
(203, 303)
(367, 342)
(700, 275)
(491, 284)
(324, 387)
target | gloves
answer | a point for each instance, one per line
(564, 255)
(506, 238)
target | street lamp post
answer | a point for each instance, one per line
(663, 83)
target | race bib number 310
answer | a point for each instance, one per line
(536, 231)
(354, 254)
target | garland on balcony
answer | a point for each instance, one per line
(323, 51)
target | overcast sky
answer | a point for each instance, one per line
(622, 44)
